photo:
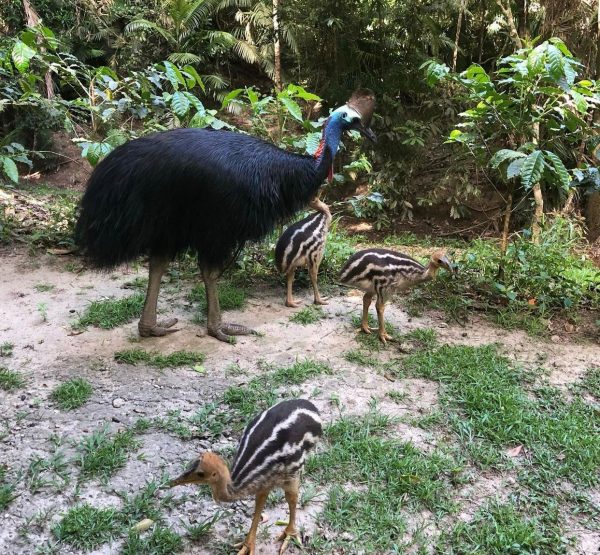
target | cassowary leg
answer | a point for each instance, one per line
(291, 496)
(247, 548)
(380, 307)
(215, 326)
(289, 298)
(313, 272)
(364, 326)
(147, 325)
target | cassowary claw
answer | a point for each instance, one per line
(322, 300)
(245, 549)
(286, 536)
(293, 304)
(158, 330)
(226, 332)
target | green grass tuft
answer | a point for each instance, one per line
(356, 356)
(500, 529)
(6, 349)
(10, 380)
(112, 313)
(392, 474)
(72, 394)
(102, 454)
(491, 411)
(308, 315)
(161, 541)
(85, 527)
(261, 392)
(157, 360)
(144, 504)
(7, 489)
(591, 381)
(43, 287)
(231, 296)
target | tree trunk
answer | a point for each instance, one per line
(522, 12)
(461, 11)
(507, 214)
(510, 20)
(276, 47)
(538, 197)
(32, 20)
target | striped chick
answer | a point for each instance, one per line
(379, 272)
(271, 454)
(303, 244)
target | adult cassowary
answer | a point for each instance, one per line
(205, 190)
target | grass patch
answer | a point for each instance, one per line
(145, 504)
(6, 349)
(308, 315)
(161, 541)
(231, 296)
(591, 381)
(7, 490)
(397, 396)
(111, 313)
(85, 527)
(10, 380)
(386, 476)
(102, 454)
(157, 360)
(44, 287)
(491, 411)
(356, 356)
(72, 394)
(261, 392)
(371, 340)
(500, 529)
(44, 472)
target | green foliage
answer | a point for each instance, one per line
(491, 412)
(172, 360)
(591, 381)
(308, 315)
(102, 454)
(161, 541)
(86, 527)
(498, 529)
(72, 394)
(533, 102)
(6, 349)
(232, 296)
(7, 490)
(112, 313)
(10, 380)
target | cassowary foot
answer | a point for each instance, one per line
(226, 332)
(321, 300)
(158, 330)
(286, 536)
(384, 337)
(293, 304)
(247, 548)
(365, 329)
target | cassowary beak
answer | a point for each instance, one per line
(445, 263)
(365, 131)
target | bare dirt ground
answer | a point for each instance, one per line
(47, 353)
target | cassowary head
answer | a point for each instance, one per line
(356, 114)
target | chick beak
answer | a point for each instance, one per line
(188, 477)
(448, 265)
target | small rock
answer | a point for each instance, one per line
(555, 339)
(115, 419)
(118, 402)
(465, 334)
(443, 325)
(139, 411)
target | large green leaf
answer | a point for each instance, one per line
(503, 155)
(555, 62)
(514, 168)
(21, 55)
(559, 169)
(532, 169)
(292, 107)
(10, 168)
(180, 104)
(174, 75)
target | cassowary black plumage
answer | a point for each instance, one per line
(204, 190)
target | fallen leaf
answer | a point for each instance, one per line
(143, 525)
(531, 302)
(200, 369)
(75, 332)
(264, 517)
(570, 328)
(60, 251)
(389, 377)
(515, 451)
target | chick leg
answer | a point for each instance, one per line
(147, 326)
(216, 327)
(289, 299)
(313, 271)
(291, 496)
(364, 326)
(250, 541)
(380, 307)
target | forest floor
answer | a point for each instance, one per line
(452, 438)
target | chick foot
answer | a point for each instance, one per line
(286, 536)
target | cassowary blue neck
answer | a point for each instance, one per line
(332, 135)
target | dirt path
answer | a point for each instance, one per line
(38, 323)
